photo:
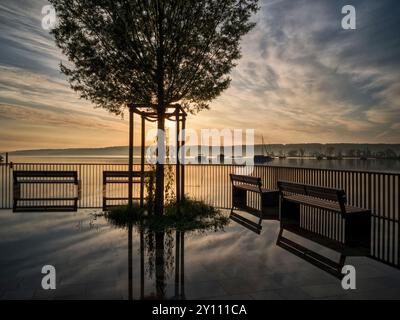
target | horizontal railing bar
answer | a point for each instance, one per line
(391, 173)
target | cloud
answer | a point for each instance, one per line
(38, 111)
(301, 79)
(301, 73)
(40, 98)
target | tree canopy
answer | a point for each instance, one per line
(151, 51)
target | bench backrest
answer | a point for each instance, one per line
(290, 187)
(29, 176)
(45, 174)
(125, 174)
(256, 181)
(120, 174)
(325, 193)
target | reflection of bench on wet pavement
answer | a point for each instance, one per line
(320, 261)
(32, 182)
(247, 223)
(357, 220)
(241, 185)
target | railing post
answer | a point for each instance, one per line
(130, 169)
(142, 148)
(177, 166)
(182, 166)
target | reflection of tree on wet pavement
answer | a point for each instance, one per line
(157, 261)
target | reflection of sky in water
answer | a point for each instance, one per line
(91, 259)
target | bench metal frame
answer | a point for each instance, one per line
(357, 231)
(45, 177)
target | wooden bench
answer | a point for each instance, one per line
(122, 177)
(45, 202)
(357, 220)
(269, 199)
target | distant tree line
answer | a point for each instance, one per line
(332, 152)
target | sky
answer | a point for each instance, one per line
(302, 79)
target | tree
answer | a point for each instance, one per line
(292, 153)
(330, 151)
(390, 154)
(155, 52)
(351, 153)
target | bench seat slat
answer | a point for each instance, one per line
(323, 204)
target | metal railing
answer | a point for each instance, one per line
(378, 191)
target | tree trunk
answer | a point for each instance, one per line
(159, 196)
